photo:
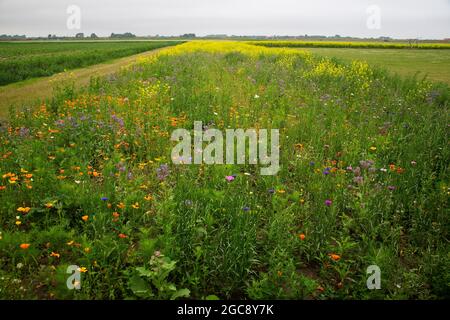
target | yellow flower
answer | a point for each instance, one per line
(49, 205)
(121, 205)
(136, 205)
(54, 254)
(148, 197)
(82, 269)
(373, 149)
(24, 210)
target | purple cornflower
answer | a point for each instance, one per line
(24, 132)
(104, 198)
(118, 120)
(357, 171)
(358, 180)
(246, 209)
(328, 202)
(121, 167)
(162, 172)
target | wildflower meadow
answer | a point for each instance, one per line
(92, 205)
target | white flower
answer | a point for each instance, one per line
(19, 265)
(256, 96)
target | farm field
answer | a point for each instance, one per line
(432, 64)
(24, 60)
(34, 91)
(87, 179)
(349, 44)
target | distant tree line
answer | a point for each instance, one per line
(12, 37)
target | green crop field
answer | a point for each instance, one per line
(88, 179)
(24, 60)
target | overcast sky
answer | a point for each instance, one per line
(399, 18)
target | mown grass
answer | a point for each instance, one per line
(24, 60)
(349, 44)
(87, 180)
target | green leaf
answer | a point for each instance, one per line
(139, 287)
(181, 293)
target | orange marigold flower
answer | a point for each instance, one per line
(121, 205)
(116, 214)
(85, 218)
(302, 236)
(24, 246)
(24, 210)
(122, 236)
(2, 188)
(335, 257)
(54, 254)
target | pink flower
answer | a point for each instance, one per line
(328, 202)
(229, 178)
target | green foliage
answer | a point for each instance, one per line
(25, 60)
(153, 283)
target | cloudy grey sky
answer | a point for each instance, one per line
(399, 18)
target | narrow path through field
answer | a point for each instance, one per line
(33, 90)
